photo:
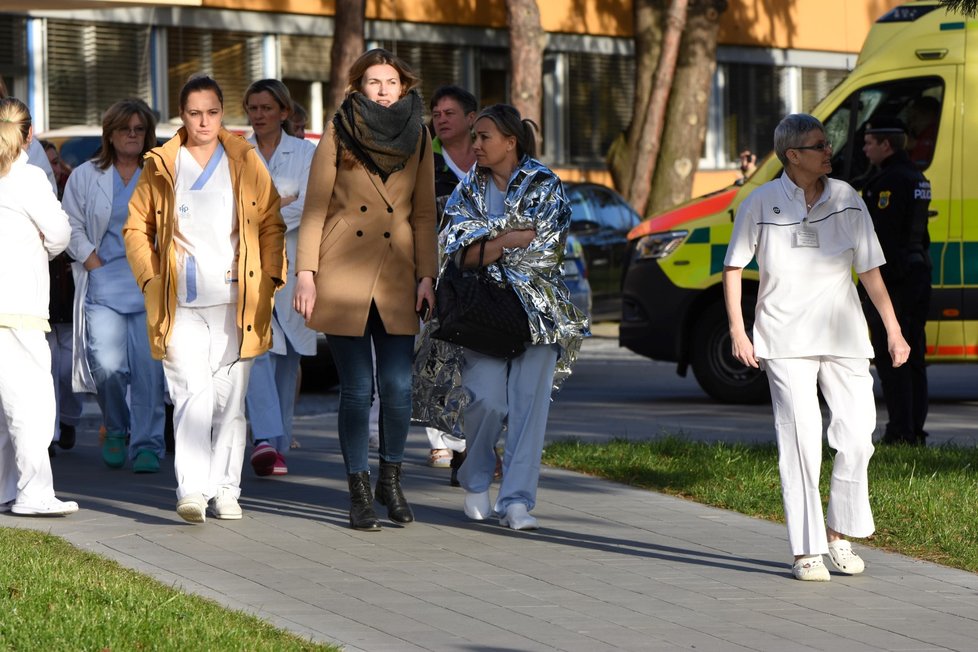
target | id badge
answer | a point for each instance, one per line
(804, 236)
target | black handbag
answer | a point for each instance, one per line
(479, 313)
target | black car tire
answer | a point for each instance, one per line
(721, 375)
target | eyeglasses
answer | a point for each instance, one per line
(818, 147)
(131, 131)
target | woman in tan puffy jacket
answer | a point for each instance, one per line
(205, 241)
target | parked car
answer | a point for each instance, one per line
(576, 275)
(80, 143)
(601, 220)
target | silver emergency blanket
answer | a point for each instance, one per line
(535, 200)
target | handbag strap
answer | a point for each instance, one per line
(482, 251)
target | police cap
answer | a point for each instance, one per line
(885, 124)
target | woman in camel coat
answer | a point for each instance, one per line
(366, 261)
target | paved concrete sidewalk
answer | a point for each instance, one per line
(613, 568)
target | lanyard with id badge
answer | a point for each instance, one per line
(208, 239)
(804, 236)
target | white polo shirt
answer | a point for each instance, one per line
(807, 303)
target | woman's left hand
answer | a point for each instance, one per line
(898, 348)
(426, 291)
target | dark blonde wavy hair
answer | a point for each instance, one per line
(377, 57)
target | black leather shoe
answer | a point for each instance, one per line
(389, 493)
(362, 514)
(67, 438)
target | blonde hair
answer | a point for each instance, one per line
(15, 127)
(279, 93)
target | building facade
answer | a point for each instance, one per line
(71, 60)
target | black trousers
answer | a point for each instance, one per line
(904, 387)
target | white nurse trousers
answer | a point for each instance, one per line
(847, 387)
(26, 414)
(207, 385)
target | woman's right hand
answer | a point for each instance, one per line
(743, 349)
(304, 299)
(92, 262)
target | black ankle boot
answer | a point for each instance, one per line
(457, 458)
(362, 514)
(389, 493)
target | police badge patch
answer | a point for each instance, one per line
(884, 199)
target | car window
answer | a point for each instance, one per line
(581, 212)
(609, 211)
(917, 101)
(76, 150)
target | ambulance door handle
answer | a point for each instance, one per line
(932, 214)
(931, 55)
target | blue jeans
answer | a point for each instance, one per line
(271, 397)
(355, 365)
(117, 347)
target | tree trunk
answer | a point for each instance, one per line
(526, 42)
(348, 44)
(648, 16)
(689, 105)
(647, 151)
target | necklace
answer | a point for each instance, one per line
(811, 203)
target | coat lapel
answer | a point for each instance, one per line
(380, 186)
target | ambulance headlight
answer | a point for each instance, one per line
(659, 245)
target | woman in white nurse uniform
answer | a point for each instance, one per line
(271, 390)
(808, 233)
(205, 241)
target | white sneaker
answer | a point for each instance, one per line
(225, 506)
(49, 507)
(844, 558)
(477, 505)
(517, 518)
(192, 508)
(810, 569)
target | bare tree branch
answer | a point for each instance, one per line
(967, 7)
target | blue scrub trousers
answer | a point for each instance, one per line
(514, 394)
(117, 347)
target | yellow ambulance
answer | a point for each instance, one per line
(919, 63)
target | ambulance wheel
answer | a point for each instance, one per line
(721, 375)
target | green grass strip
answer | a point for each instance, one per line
(923, 499)
(56, 597)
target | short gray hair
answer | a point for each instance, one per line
(790, 132)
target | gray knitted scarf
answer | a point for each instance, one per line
(382, 138)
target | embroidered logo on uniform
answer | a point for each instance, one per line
(884, 199)
(183, 208)
(777, 211)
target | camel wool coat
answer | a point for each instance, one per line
(367, 241)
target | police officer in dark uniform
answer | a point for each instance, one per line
(898, 198)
